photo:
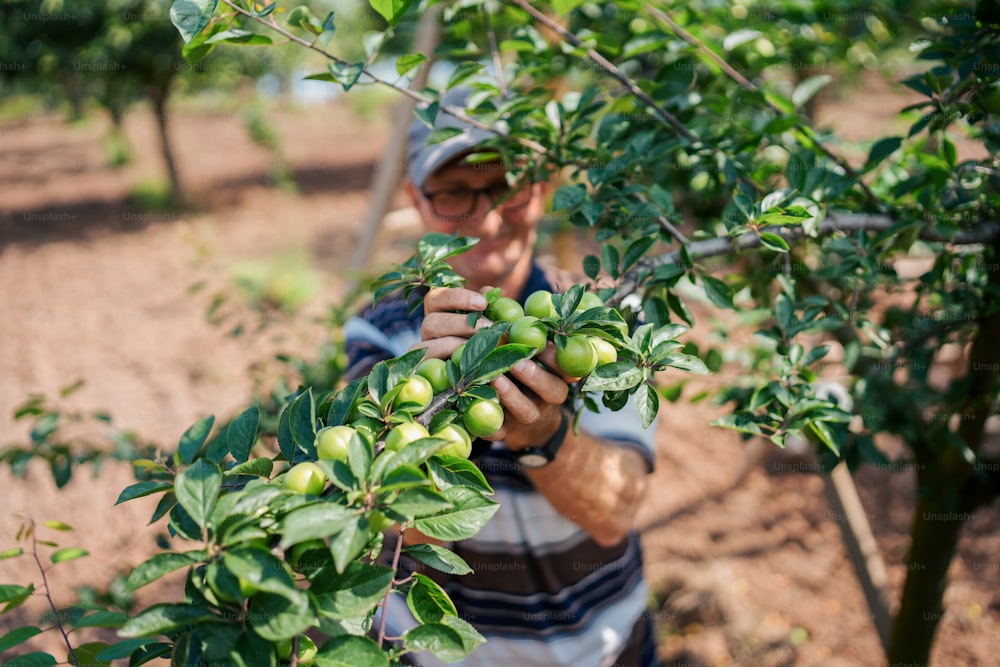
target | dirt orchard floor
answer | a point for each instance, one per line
(95, 288)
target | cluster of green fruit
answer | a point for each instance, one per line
(577, 355)
(533, 324)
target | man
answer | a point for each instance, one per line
(558, 570)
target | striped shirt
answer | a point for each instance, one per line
(542, 591)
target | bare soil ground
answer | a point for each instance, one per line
(94, 287)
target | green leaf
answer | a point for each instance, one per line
(391, 10)
(302, 426)
(351, 651)
(826, 435)
(190, 17)
(14, 595)
(408, 62)
(277, 617)
(11, 553)
(448, 471)
(194, 438)
(648, 403)
(353, 593)
(470, 636)
(340, 406)
(72, 553)
(636, 250)
(262, 570)
(882, 149)
(239, 37)
(241, 434)
(302, 17)
(262, 467)
(744, 422)
(419, 502)
(470, 513)
(163, 618)
(86, 654)
(18, 636)
(718, 292)
(783, 312)
(773, 242)
(161, 564)
(197, 489)
(351, 541)
(615, 376)
(684, 362)
(57, 525)
(315, 521)
(501, 360)
(568, 196)
(438, 558)
(437, 638)
(346, 74)
(806, 90)
(103, 619)
(427, 600)
(140, 489)
(464, 72)
(124, 649)
(34, 659)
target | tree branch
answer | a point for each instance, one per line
(48, 596)
(413, 95)
(833, 223)
(388, 592)
(612, 69)
(491, 37)
(752, 87)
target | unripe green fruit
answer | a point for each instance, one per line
(505, 309)
(416, 392)
(578, 357)
(459, 442)
(528, 331)
(306, 478)
(589, 300)
(483, 418)
(332, 442)
(307, 650)
(539, 304)
(433, 370)
(404, 434)
(606, 352)
(378, 521)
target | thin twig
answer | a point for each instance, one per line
(752, 87)
(663, 222)
(388, 592)
(612, 69)
(491, 37)
(48, 596)
(413, 95)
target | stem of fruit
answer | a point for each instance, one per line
(48, 596)
(388, 592)
(436, 405)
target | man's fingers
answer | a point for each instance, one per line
(450, 299)
(439, 348)
(439, 325)
(522, 408)
(548, 387)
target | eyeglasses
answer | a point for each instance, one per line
(460, 202)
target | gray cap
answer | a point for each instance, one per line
(424, 159)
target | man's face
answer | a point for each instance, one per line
(474, 200)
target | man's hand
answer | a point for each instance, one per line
(532, 393)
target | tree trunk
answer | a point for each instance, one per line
(159, 97)
(934, 539)
(949, 492)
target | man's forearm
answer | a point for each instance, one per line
(595, 484)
